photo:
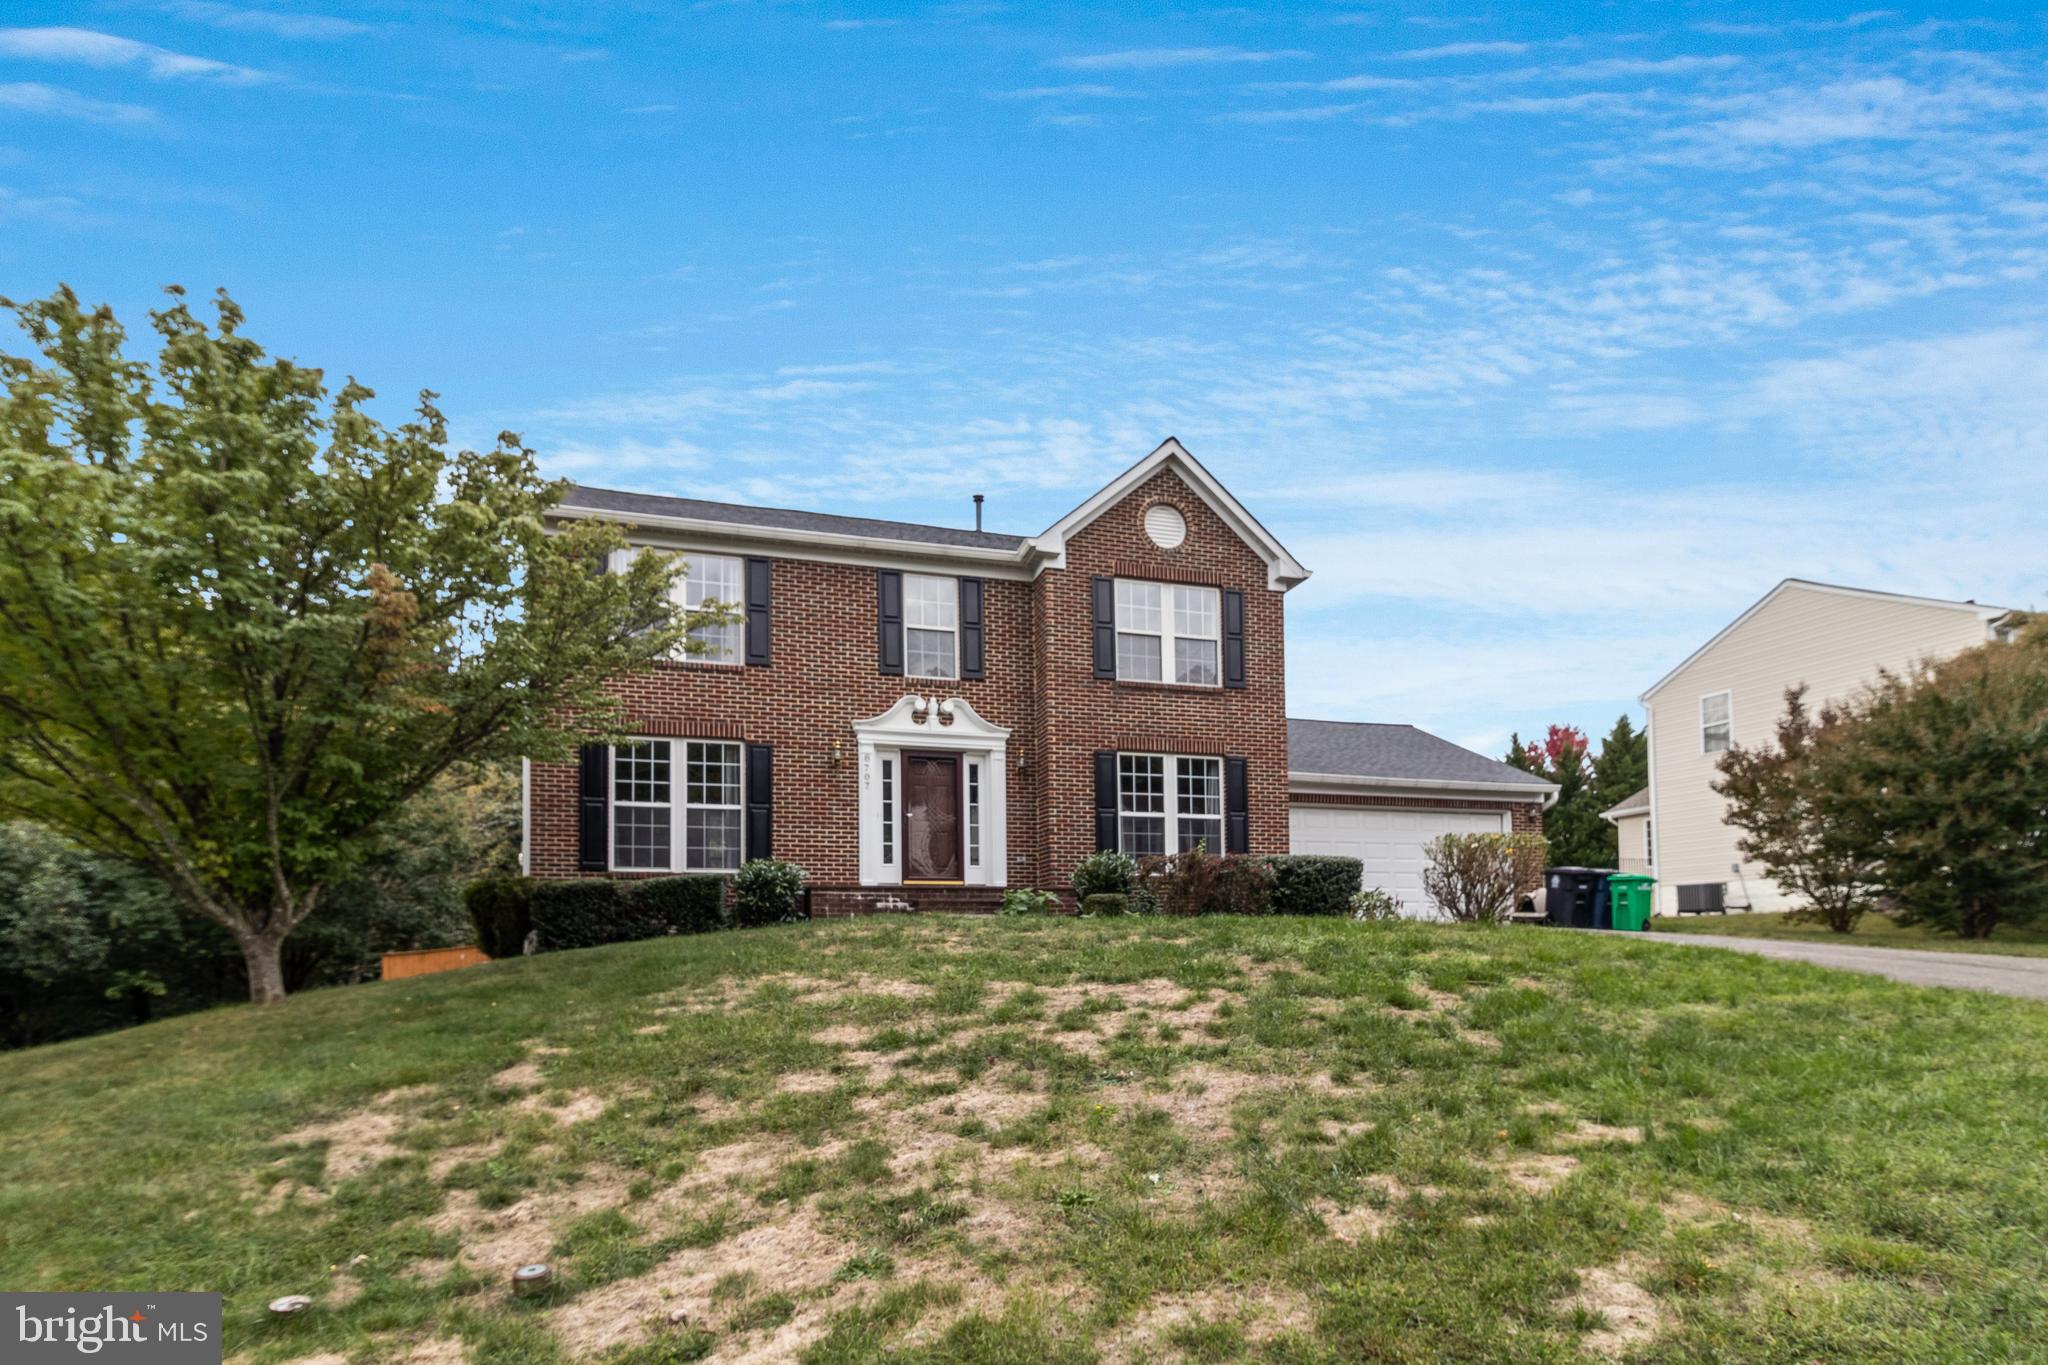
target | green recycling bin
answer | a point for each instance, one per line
(1631, 895)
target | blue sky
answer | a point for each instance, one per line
(1549, 338)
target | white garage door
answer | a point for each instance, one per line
(1388, 842)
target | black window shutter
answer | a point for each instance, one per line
(1105, 800)
(970, 628)
(889, 612)
(760, 841)
(759, 636)
(1233, 638)
(593, 811)
(1105, 628)
(1237, 808)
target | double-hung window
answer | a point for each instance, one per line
(715, 581)
(1168, 626)
(1168, 804)
(646, 813)
(1716, 723)
(931, 626)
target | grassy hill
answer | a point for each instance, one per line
(1012, 1140)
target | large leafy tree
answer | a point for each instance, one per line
(242, 621)
(1939, 780)
(1775, 794)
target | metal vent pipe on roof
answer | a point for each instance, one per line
(977, 511)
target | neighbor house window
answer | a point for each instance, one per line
(1168, 804)
(643, 807)
(931, 626)
(1168, 626)
(715, 581)
(1716, 723)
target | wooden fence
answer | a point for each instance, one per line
(427, 961)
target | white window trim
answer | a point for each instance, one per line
(620, 559)
(953, 630)
(1172, 793)
(916, 724)
(1706, 697)
(1168, 636)
(679, 804)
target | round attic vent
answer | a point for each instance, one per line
(1165, 525)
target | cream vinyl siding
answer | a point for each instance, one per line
(1629, 832)
(1833, 641)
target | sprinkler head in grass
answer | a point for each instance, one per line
(290, 1305)
(530, 1280)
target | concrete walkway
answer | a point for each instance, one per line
(2026, 977)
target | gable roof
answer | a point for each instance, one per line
(1018, 555)
(1283, 570)
(1982, 612)
(1637, 803)
(1369, 754)
(782, 518)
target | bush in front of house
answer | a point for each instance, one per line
(1107, 873)
(768, 891)
(1022, 900)
(675, 905)
(1105, 905)
(1374, 903)
(1198, 882)
(577, 914)
(1315, 884)
(1476, 878)
(498, 906)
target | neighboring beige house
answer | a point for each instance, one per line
(1631, 817)
(1732, 691)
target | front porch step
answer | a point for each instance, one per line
(838, 902)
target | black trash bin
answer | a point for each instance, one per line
(1576, 897)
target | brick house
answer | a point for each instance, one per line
(922, 715)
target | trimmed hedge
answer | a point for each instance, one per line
(584, 914)
(1104, 904)
(768, 891)
(498, 907)
(1314, 884)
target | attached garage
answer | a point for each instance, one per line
(1380, 793)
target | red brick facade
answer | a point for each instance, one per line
(1039, 683)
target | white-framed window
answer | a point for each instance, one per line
(931, 626)
(888, 812)
(643, 807)
(973, 813)
(649, 823)
(717, 581)
(1167, 804)
(1717, 722)
(1168, 626)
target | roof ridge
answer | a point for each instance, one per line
(792, 511)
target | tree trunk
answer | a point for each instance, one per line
(263, 955)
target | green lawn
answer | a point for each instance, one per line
(943, 1139)
(1872, 931)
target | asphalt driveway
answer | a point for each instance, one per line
(2026, 977)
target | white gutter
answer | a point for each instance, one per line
(1546, 792)
(730, 530)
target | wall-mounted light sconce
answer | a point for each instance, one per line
(837, 755)
(1023, 763)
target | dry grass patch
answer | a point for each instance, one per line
(1262, 1313)
(355, 1142)
(1360, 1223)
(1539, 1174)
(1630, 1314)
(496, 1242)
(1588, 1134)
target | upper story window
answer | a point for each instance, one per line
(1168, 804)
(931, 626)
(716, 581)
(1717, 722)
(1168, 625)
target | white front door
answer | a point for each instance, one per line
(1388, 842)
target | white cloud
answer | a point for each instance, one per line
(86, 47)
(275, 22)
(29, 97)
(1443, 50)
(1152, 58)
(1053, 92)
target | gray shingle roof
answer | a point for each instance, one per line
(1639, 803)
(1363, 749)
(629, 505)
